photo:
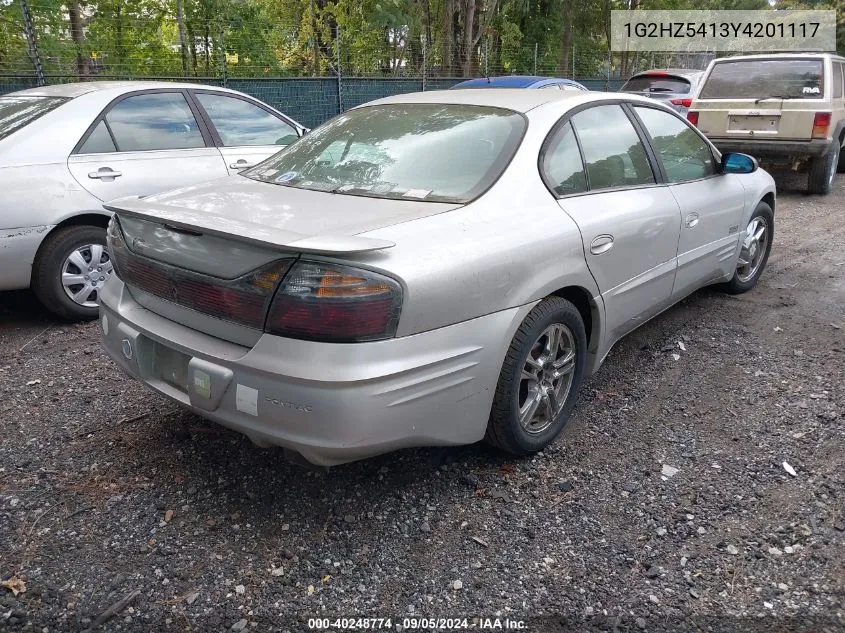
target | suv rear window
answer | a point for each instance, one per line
(656, 83)
(17, 112)
(762, 78)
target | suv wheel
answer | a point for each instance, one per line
(841, 167)
(69, 271)
(822, 171)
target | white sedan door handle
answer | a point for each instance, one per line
(104, 173)
(241, 164)
(692, 220)
(601, 244)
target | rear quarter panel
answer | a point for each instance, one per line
(35, 199)
(510, 247)
(47, 194)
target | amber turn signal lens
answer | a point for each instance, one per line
(335, 284)
(821, 124)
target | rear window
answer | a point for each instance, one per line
(762, 78)
(432, 152)
(17, 112)
(657, 83)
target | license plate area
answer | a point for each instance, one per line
(753, 123)
(170, 366)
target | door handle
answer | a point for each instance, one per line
(692, 220)
(104, 173)
(601, 244)
(241, 164)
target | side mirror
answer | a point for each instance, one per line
(736, 163)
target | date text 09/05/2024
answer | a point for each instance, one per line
(410, 624)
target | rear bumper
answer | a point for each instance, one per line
(331, 403)
(772, 149)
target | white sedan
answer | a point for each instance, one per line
(65, 149)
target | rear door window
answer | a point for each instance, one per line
(156, 121)
(657, 83)
(613, 151)
(99, 141)
(17, 111)
(762, 78)
(837, 81)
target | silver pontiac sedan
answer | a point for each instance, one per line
(428, 269)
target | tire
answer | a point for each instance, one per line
(504, 429)
(822, 171)
(745, 279)
(51, 262)
(840, 168)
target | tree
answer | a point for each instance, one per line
(77, 33)
(87, 38)
(180, 21)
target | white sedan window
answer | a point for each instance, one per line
(154, 121)
(242, 123)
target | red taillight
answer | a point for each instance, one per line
(243, 300)
(682, 102)
(333, 303)
(692, 117)
(657, 73)
(821, 124)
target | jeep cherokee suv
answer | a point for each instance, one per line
(784, 109)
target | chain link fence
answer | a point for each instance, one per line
(311, 70)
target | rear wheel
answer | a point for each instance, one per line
(70, 270)
(840, 168)
(540, 378)
(755, 250)
(822, 171)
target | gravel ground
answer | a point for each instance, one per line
(109, 492)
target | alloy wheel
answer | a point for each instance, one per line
(753, 249)
(546, 378)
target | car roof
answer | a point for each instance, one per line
(77, 89)
(513, 81)
(518, 100)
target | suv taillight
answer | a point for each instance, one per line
(682, 102)
(692, 117)
(821, 124)
(320, 301)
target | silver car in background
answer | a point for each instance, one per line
(65, 149)
(673, 86)
(430, 268)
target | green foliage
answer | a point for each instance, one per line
(131, 38)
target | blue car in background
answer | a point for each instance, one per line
(520, 81)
